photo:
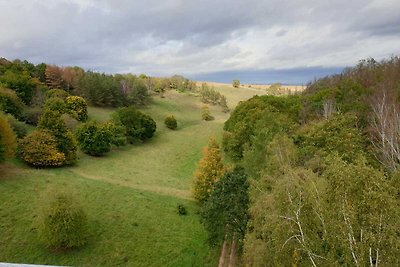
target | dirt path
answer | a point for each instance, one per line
(167, 191)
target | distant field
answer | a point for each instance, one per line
(130, 195)
(236, 95)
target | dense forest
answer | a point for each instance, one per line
(317, 179)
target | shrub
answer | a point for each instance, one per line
(70, 122)
(57, 93)
(94, 139)
(66, 143)
(171, 122)
(118, 137)
(40, 149)
(11, 103)
(19, 127)
(206, 114)
(8, 139)
(138, 126)
(33, 115)
(77, 107)
(62, 223)
(55, 104)
(182, 210)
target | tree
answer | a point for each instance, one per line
(66, 143)
(8, 139)
(21, 82)
(225, 212)
(54, 77)
(209, 171)
(138, 126)
(76, 106)
(55, 104)
(40, 149)
(11, 103)
(94, 139)
(236, 83)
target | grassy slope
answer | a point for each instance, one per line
(130, 197)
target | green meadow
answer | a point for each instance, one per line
(130, 195)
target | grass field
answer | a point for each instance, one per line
(130, 195)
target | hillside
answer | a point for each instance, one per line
(130, 195)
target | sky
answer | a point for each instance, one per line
(255, 41)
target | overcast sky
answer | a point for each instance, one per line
(253, 40)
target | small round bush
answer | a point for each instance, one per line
(39, 149)
(55, 104)
(62, 223)
(171, 122)
(182, 210)
(94, 139)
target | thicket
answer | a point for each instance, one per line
(209, 95)
(323, 170)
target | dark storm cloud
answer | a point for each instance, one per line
(189, 37)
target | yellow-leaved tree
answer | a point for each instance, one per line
(209, 170)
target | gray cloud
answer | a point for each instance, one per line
(194, 37)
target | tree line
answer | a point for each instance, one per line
(316, 175)
(55, 100)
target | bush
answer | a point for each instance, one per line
(171, 122)
(138, 126)
(33, 115)
(77, 107)
(40, 149)
(55, 104)
(19, 127)
(11, 103)
(118, 137)
(182, 210)
(206, 114)
(70, 122)
(7, 139)
(94, 139)
(62, 223)
(57, 93)
(66, 143)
